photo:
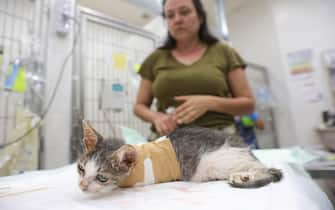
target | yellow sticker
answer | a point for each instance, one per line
(120, 61)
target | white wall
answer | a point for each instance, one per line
(299, 27)
(253, 34)
(57, 124)
(264, 32)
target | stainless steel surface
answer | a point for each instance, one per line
(324, 166)
(321, 169)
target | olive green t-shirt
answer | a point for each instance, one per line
(207, 76)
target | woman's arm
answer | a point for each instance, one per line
(196, 105)
(143, 102)
(163, 122)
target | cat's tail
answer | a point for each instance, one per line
(259, 180)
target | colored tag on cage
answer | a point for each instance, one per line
(120, 61)
(20, 84)
(16, 79)
(113, 97)
(117, 87)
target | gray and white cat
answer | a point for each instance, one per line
(201, 154)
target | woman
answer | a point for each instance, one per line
(200, 78)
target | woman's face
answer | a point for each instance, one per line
(182, 19)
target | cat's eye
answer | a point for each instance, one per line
(81, 169)
(101, 178)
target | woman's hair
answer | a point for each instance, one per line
(204, 35)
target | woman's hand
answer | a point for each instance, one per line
(193, 106)
(164, 123)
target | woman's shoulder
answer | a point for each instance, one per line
(221, 45)
(223, 48)
(152, 60)
(157, 53)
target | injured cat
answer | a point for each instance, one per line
(187, 154)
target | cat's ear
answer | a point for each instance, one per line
(90, 137)
(125, 157)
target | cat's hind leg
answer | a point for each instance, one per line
(237, 165)
(254, 177)
(219, 164)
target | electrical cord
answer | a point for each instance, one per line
(54, 92)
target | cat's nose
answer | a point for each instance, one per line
(83, 185)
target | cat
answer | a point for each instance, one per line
(187, 154)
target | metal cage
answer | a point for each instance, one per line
(22, 37)
(108, 55)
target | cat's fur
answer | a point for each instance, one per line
(203, 155)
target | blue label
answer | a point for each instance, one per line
(117, 87)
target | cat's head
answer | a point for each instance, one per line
(104, 163)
